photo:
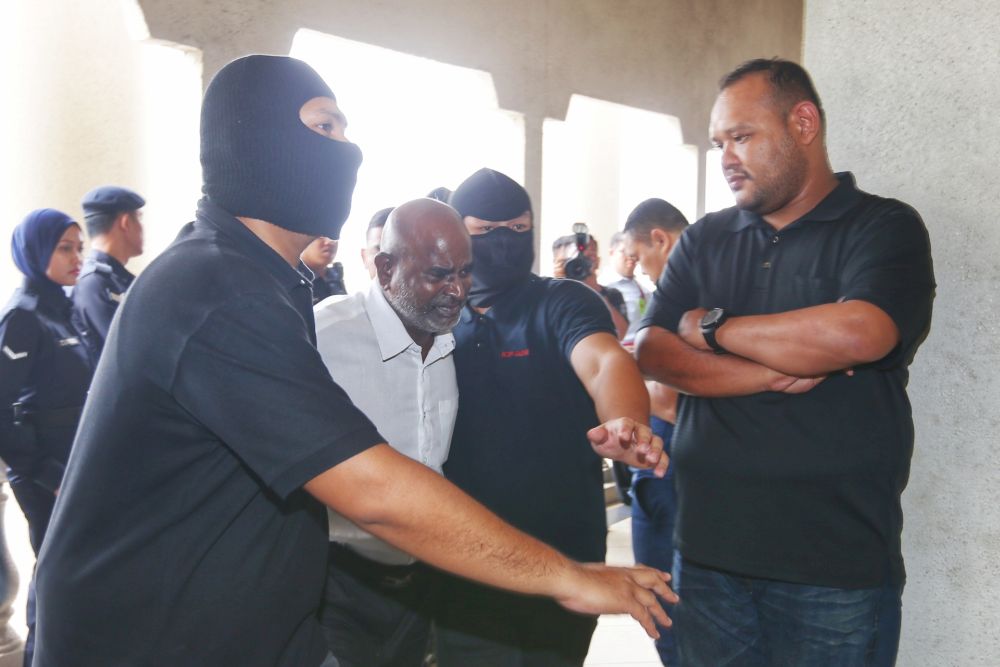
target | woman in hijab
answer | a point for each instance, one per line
(45, 370)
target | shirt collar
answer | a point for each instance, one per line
(117, 267)
(833, 207)
(392, 337)
(251, 246)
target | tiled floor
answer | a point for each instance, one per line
(619, 641)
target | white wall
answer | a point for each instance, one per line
(911, 91)
(85, 105)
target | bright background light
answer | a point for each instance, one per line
(421, 124)
(602, 161)
(717, 193)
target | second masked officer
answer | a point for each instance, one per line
(545, 390)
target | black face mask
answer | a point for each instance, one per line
(501, 260)
(260, 161)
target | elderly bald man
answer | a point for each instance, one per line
(391, 351)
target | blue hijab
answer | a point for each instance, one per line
(35, 240)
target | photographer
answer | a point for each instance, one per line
(575, 257)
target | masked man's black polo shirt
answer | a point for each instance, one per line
(182, 535)
(801, 488)
(520, 443)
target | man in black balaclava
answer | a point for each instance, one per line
(190, 528)
(545, 391)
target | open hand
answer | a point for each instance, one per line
(630, 442)
(598, 589)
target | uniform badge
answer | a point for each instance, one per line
(14, 356)
(66, 342)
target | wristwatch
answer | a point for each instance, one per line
(710, 323)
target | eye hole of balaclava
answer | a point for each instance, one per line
(261, 160)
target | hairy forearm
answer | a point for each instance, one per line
(417, 510)
(664, 357)
(812, 341)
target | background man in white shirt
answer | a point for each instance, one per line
(390, 350)
(622, 278)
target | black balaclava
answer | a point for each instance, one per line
(501, 258)
(260, 161)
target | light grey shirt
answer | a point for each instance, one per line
(412, 401)
(635, 302)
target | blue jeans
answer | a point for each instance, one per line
(654, 510)
(729, 621)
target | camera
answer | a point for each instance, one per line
(580, 266)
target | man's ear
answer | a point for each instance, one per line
(384, 265)
(805, 122)
(124, 221)
(658, 237)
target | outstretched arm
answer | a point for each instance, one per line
(612, 379)
(406, 504)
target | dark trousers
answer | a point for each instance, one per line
(485, 627)
(654, 513)
(36, 502)
(375, 615)
(725, 620)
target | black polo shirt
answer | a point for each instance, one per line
(801, 488)
(520, 444)
(182, 535)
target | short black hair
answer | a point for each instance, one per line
(100, 223)
(378, 220)
(790, 83)
(653, 214)
(442, 194)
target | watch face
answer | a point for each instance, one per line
(712, 317)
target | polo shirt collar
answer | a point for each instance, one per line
(392, 337)
(833, 207)
(251, 246)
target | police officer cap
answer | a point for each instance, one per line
(111, 199)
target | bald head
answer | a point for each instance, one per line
(425, 267)
(410, 227)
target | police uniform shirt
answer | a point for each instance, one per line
(44, 367)
(520, 444)
(97, 294)
(182, 535)
(802, 488)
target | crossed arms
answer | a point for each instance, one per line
(789, 352)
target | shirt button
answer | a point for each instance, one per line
(775, 239)
(766, 265)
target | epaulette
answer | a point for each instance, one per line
(20, 300)
(96, 267)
